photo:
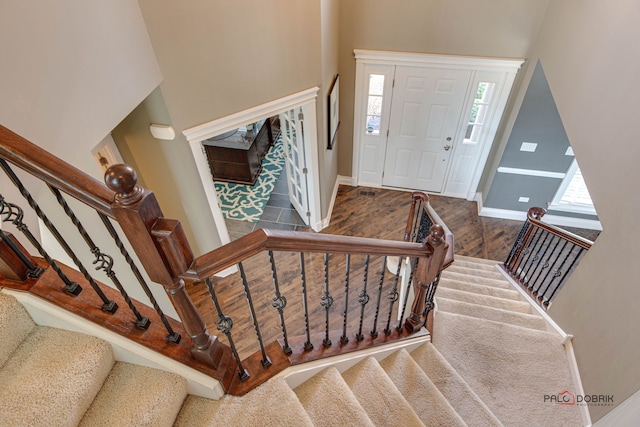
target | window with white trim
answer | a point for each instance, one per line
(573, 195)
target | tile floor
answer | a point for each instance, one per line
(279, 214)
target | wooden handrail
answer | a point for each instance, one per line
(295, 241)
(54, 171)
(534, 216)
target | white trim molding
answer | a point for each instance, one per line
(532, 172)
(434, 60)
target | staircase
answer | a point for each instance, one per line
(491, 361)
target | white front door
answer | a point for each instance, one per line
(425, 118)
(292, 129)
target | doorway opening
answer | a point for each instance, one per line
(234, 153)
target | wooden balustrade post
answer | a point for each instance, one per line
(164, 252)
(426, 272)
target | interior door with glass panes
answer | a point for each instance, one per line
(292, 129)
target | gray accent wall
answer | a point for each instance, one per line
(539, 122)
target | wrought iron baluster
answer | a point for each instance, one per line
(406, 294)
(374, 331)
(556, 272)
(15, 215)
(173, 336)
(393, 295)
(548, 265)
(279, 303)
(564, 277)
(266, 362)
(303, 277)
(327, 301)
(35, 271)
(108, 305)
(431, 292)
(540, 265)
(532, 252)
(102, 260)
(224, 325)
(516, 246)
(344, 338)
(363, 298)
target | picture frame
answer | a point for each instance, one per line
(333, 112)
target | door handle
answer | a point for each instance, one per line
(447, 147)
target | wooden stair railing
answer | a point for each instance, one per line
(163, 250)
(543, 257)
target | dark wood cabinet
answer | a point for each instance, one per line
(238, 157)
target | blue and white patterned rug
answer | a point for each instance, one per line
(247, 202)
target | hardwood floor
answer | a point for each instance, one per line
(359, 211)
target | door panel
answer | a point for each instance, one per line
(425, 117)
(291, 127)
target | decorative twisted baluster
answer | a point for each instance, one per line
(172, 336)
(431, 292)
(393, 295)
(538, 267)
(303, 277)
(279, 303)
(533, 256)
(363, 298)
(34, 271)
(374, 331)
(414, 262)
(327, 301)
(108, 305)
(556, 272)
(224, 325)
(102, 260)
(344, 338)
(547, 265)
(266, 362)
(516, 246)
(15, 215)
(560, 283)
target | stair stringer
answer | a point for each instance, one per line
(298, 374)
(44, 313)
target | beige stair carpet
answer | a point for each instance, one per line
(271, 404)
(490, 272)
(532, 321)
(377, 394)
(16, 321)
(454, 388)
(135, 395)
(424, 397)
(509, 367)
(486, 300)
(478, 279)
(52, 378)
(480, 289)
(328, 389)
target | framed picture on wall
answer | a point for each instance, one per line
(333, 110)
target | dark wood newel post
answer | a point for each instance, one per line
(163, 250)
(426, 272)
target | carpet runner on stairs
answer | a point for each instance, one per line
(491, 361)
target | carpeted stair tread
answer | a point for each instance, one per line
(474, 271)
(529, 362)
(476, 260)
(379, 397)
(478, 278)
(15, 326)
(480, 289)
(486, 300)
(52, 378)
(416, 387)
(271, 404)
(131, 387)
(531, 321)
(453, 387)
(474, 264)
(328, 389)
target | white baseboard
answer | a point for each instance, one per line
(340, 180)
(567, 342)
(296, 375)
(561, 221)
(44, 313)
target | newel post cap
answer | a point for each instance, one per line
(122, 179)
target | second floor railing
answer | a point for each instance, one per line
(543, 257)
(296, 296)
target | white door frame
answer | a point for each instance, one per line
(479, 65)
(195, 135)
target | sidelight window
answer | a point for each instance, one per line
(479, 112)
(374, 103)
